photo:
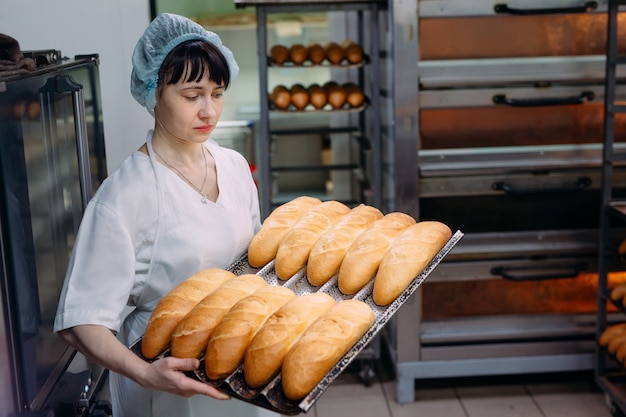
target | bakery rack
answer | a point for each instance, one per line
(271, 396)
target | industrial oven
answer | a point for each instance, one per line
(52, 159)
(510, 111)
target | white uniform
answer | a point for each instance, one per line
(143, 232)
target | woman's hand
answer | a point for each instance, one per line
(167, 374)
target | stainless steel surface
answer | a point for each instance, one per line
(508, 150)
(42, 189)
(271, 396)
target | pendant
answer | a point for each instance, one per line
(204, 200)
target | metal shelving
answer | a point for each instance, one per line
(610, 376)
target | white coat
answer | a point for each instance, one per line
(144, 231)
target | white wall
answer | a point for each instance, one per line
(109, 28)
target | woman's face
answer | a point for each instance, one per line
(189, 111)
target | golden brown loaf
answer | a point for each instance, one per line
(175, 305)
(192, 334)
(281, 97)
(329, 250)
(334, 53)
(354, 95)
(407, 256)
(353, 51)
(618, 292)
(322, 345)
(264, 244)
(293, 251)
(279, 54)
(361, 261)
(230, 339)
(316, 53)
(336, 95)
(610, 332)
(317, 96)
(297, 53)
(299, 96)
(616, 342)
(269, 346)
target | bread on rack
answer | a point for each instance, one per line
(336, 95)
(329, 250)
(297, 53)
(362, 258)
(317, 96)
(174, 305)
(279, 54)
(334, 53)
(611, 332)
(316, 53)
(299, 96)
(354, 95)
(264, 245)
(353, 51)
(618, 292)
(230, 339)
(268, 348)
(280, 97)
(192, 334)
(322, 345)
(293, 251)
(407, 256)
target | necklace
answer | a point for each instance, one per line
(203, 197)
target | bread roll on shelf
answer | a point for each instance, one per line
(322, 344)
(293, 251)
(334, 53)
(279, 54)
(610, 332)
(407, 256)
(230, 339)
(281, 97)
(299, 96)
(364, 255)
(329, 250)
(268, 348)
(316, 53)
(353, 51)
(173, 307)
(317, 96)
(297, 53)
(616, 342)
(336, 95)
(264, 244)
(354, 95)
(193, 333)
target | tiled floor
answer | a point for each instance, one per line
(551, 395)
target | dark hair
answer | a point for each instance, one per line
(192, 59)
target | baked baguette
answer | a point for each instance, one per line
(618, 292)
(329, 250)
(361, 261)
(616, 342)
(293, 251)
(620, 353)
(322, 345)
(230, 339)
(269, 346)
(192, 334)
(175, 305)
(611, 332)
(264, 244)
(407, 256)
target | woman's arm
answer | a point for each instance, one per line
(100, 345)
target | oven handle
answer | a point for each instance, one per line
(543, 101)
(585, 8)
(506, 272)
(579, 185)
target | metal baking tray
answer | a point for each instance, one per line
(271, 396)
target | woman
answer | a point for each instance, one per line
(178, 205)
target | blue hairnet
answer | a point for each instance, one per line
(162, 35)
